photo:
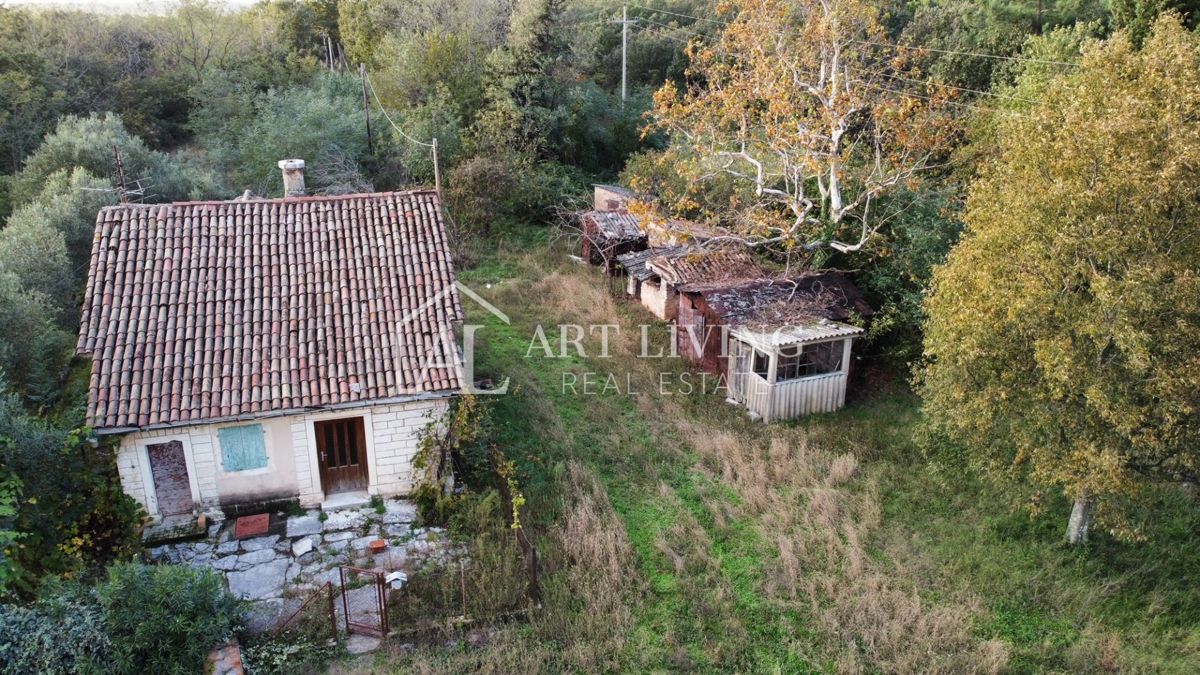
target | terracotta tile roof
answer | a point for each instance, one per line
(695, 265)
(203, 311)
(784, 300)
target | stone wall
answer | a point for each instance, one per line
(292, 470)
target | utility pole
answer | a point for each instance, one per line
(122, 193)
(437, 173)
(362, 74)
(625, 23)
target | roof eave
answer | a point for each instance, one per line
(352, 405)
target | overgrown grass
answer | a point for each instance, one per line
(677, 534)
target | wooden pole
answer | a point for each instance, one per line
(462, 577)
(362, 74)
(437, 173)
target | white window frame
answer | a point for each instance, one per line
(189, 461)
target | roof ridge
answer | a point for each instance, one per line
(279, 200)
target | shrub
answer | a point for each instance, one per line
(164, 619)
(61, 633)
(87, 142)
(69, 520)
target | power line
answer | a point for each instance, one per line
(881, 44)
(678, 28)
(881, 74)
(388, 117)
(662, 33)
(898, 92)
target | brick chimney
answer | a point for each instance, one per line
(293, 177)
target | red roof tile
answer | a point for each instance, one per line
(202, 311)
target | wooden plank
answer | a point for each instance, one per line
(168, 468)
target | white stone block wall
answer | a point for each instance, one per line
(660, 299)
(396, 432)
(392, 442)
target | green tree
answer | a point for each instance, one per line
(33, 350)
(87, 143)
(1137, 16)
(1063, 342)
(321, 122)
(522, 110)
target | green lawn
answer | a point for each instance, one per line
(679, 535)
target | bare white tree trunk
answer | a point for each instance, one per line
(1081, 520)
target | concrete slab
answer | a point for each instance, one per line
(345, 500)
(301, 546)
(260, 581)
(259, 543)
(399, 512)
(299, 526)
(339, 521)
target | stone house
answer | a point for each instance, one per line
(259, 351)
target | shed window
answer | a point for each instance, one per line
(243, 448)
(762, 362)
(798, 361)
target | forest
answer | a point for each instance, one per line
(1012, 183)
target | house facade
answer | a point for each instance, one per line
(254, 352)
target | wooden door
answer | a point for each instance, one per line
(342, 453)
(741, 366)
(168, 467)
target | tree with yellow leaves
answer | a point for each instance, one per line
(806, 102)
(1063, 340)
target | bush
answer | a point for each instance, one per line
(87, 142)
(143, 619)
(62, 633)
(164, 619)
(71, 519)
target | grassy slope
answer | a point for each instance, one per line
(680, 535)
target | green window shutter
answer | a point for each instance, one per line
(243, 448)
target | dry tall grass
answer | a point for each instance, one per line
(819, 513)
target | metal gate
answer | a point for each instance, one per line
(364, 601)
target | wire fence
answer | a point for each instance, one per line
(489, 583)
(305, 639)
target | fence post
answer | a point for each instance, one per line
(381, 589)
(462, 578)
(332, 611)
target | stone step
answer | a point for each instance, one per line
(346, 500)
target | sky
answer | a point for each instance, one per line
(114, 6)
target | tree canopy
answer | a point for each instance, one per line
(808, 104)
(1063, 340)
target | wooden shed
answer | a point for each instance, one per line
(783, 344)
(608, 234)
